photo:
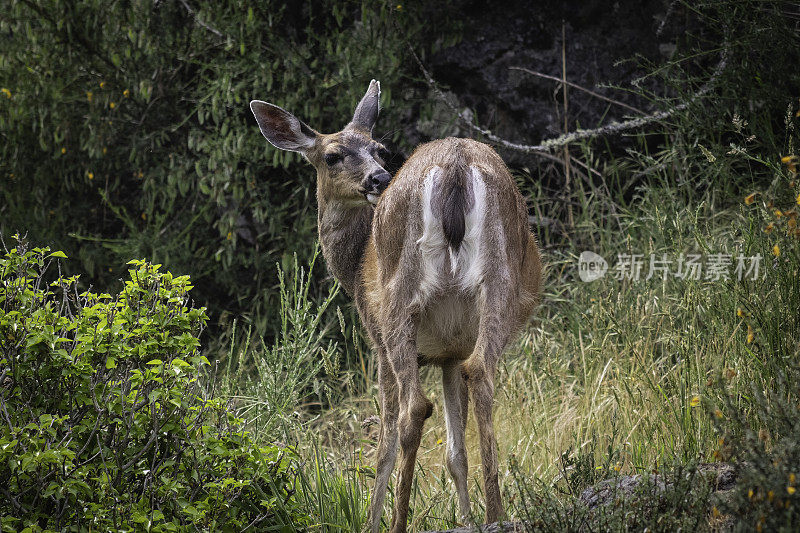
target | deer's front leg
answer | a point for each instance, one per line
(387, 441)
(400, 338)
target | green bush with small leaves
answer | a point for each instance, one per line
(108, 419)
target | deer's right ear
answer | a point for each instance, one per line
(281, 128)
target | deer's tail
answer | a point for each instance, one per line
(455, 198)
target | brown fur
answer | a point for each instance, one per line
(378, 261)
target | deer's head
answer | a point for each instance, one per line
(350, 164)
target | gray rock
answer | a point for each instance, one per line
(720, 476)
(497, 527)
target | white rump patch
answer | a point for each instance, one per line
(441, 265)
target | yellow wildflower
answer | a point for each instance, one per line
(770, 495)
(112, 105)
(791, 162)
(229, 236)
(769, 228)
(750, 334)
(617, 467)
(89, 95)
(144, 216)
(90, 176)
(715, 511)
(750, 198)
(6, 92)
(798, 199)
(63, 150)
(695, 401)
(399, 7)
(438, 442)
(778, 213)
(104, 150)
(126, 93)
(717, 413)
(776, 250)
(750, 494)
(740, 312)
(102, 85)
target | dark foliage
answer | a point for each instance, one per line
(126, 130)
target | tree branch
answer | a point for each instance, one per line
(576, 86)
(544, 147)
(196, 18)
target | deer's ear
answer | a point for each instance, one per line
(366, 113)
(281, 128)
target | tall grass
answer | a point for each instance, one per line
(612, 377)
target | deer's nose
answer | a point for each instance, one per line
(380, 179)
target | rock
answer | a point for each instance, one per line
(497, 527)
(720, 476)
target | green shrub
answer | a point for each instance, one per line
(108, 423)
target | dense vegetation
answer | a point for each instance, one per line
(134, 114)
(126, 136)
(109, 423)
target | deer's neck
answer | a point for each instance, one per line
(343, 233)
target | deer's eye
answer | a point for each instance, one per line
(332, 159)
(384, 154)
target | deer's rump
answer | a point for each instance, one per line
(450, 217)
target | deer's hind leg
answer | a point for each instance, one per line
(456, 407)
(494, 330)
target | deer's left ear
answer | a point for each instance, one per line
(281, 128)
(366, 113)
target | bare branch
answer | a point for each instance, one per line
(576, 86)
(194, 15)
(544, 147)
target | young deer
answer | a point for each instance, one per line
(443, 270)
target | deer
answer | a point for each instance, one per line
(443, 269)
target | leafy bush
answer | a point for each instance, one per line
(108, 424)
(132, 136)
